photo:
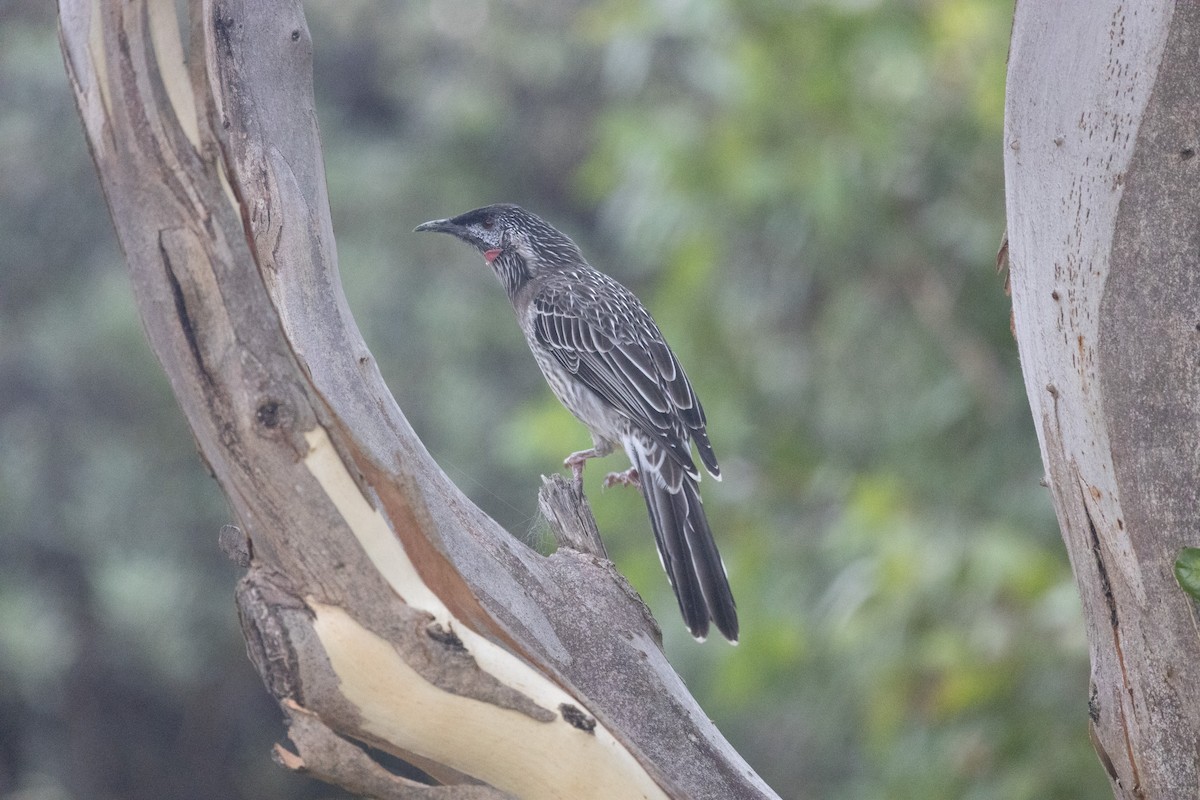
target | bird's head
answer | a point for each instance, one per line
(518, 245)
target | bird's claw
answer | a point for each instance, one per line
(629, 477)
(575, 462)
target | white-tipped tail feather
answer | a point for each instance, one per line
(685, 542)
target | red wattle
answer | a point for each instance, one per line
(490, 255)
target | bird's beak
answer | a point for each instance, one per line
(438, 225)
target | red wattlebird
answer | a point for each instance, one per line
(609, 364)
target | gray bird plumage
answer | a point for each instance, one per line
(607, 361)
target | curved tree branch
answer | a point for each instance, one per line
(381, 607)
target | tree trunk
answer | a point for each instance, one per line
(380, 606)
(1101, 134)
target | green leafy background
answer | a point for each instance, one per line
(809, 197)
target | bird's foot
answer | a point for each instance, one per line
(575, 462)
(629, 477)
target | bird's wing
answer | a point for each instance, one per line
(603, 335)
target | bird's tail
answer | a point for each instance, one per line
(685, 544)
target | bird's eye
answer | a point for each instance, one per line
(489, 223)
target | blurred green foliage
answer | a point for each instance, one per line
(808, 195)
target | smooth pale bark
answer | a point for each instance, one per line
(1101, 135)
(380, 606)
